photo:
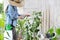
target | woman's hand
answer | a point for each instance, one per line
(27, 14)
(20, 17)
(23, 16)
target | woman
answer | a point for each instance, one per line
(12, 14)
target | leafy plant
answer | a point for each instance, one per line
(21, 25)
(58, 31)
(1, 37)
(30, 30)
(1, 8)
(51, 30)
(2, 20)
(2, 17)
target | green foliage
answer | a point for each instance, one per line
(21, 26)
(1, 37)
(30, 30)
(1, 8)
(55, 38)
(51, 30)
(1, 21)
(33, 27)
(58, 31)
(1, 33)
(21, 23)
(3, 16)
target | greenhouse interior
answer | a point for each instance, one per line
(29, 19)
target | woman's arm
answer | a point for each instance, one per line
(21, 4)
(24, 15)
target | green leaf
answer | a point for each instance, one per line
(55, 38)
(21, 23)
(36, 30)
(1, 37)
(58, 31)
(51, 30)
(1, 23)
(1, 8)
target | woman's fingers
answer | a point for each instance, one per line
(28, 14)
(20, 17)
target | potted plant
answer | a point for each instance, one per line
(53, 35)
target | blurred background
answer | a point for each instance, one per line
(2, 17)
